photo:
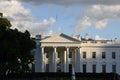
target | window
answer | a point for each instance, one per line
(113, 55)
(93, 54)
(104, 68)
(84, 68)
(94, 68)
(70, 55)
(84, 54)
(114, 68)
(103, 55)
(58, 54)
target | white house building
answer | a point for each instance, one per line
(62, 53)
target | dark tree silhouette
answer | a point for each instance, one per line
(15, 49)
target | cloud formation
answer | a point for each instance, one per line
(82, 24)
(99, 16)
(72, 2)
(98, 12)
(22, 19)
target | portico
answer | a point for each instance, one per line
(59, 59)
(60, 55)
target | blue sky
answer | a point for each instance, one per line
(99, 18)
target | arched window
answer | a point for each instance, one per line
(94, 68)
(104, 68)
(84, 67)
(114, 68)
(113, 65)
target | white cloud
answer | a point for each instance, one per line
(49, 33)
(59, 29)
(103, 12)
(72, 2)
(41, 27)
(22, 19)
(98, 12)
(99, 16)
(97, 37)
(82, 24)
(101, 24)
(96, 15)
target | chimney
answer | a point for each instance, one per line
(38, 39)
(86, 36)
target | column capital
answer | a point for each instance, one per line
(67, 49)
(55, 49)
(42, 46)
(54, 46)
(42, 49)
(79, 47)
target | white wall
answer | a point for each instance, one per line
(98, 60)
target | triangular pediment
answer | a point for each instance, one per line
(60, 38)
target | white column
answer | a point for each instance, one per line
(67, 62)
(78, 59)
(64, 61)
(54, 60)
(42, 60)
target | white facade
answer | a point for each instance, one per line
(63, 53)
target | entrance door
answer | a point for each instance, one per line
(70, 68)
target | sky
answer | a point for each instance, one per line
(99, 18)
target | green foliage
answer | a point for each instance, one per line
(4, 22)
(15, 49)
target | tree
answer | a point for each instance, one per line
(15, 49)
